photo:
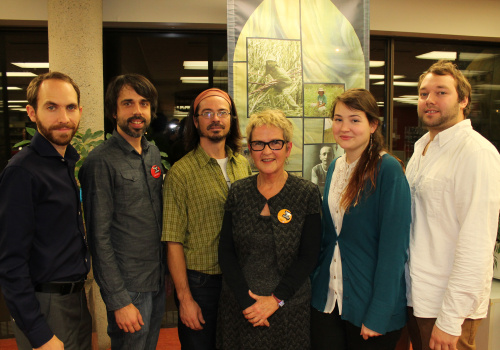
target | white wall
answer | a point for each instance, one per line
(448, 17)
(451, 17)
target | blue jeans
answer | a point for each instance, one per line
(151, 305)
(205, 290)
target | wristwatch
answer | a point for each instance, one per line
(281, 303)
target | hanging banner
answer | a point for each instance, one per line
(297, 56)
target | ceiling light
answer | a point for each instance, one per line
(438, 55)
(180, 114)
(376, 64)
(471, 56)
(202, 80)
(473, 73)
(11, 88)
(21, 74)
(32, 65)
(203, 65)
(399, 83)
(17, 101)
(410, 101)
(381, 76)
(488, 87)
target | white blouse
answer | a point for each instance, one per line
(340, 179)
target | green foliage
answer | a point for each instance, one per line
(164, 157)
(30, 131)
(22, 143)
(84, 143)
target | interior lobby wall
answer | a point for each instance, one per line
(448, 17)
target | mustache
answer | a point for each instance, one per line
(63, 126)
(216, 124)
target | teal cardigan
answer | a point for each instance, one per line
(373, 249)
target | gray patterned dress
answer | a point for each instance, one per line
(267, 256)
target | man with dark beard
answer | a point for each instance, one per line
(195, 191)
(121, 182)
(44, 258)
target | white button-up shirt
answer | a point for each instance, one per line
(455, 192)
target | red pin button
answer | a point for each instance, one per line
(155, 171)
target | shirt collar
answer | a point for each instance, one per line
(44, 148)
(443, 137)
(203, 158)
(127, 146)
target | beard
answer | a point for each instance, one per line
(445, 117)
(58, 138)
(124, 125)
(214, 137)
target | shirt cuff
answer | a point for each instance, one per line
(449, 324)
(117, 300)
(39, 335)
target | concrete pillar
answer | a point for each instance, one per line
(75, 48)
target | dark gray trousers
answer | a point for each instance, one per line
(68, 317)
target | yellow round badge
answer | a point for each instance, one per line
(285, 216)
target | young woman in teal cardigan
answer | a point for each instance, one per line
(358, 287)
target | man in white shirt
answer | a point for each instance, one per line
(455, 185)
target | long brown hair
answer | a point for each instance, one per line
(368, 164)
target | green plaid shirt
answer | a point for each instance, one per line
(194, 194)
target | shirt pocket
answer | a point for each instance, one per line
(432, 193)
(130, 188)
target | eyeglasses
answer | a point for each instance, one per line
(211, 115)
(274, 145)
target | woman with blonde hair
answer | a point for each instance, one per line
(269, 245)
(358, 287)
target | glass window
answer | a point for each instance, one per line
(180, 66)
(23, 55)
(378, 69)
(479, 62)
